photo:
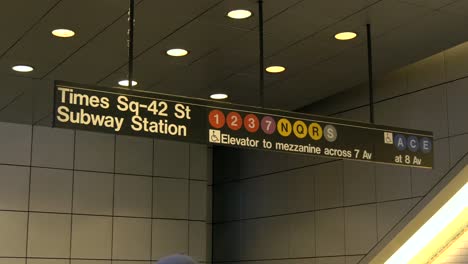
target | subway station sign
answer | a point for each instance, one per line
(142, 113)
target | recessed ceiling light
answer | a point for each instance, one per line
(22, 68)
(125, 83)
(345, 35)
(219, 96)
(63, 33)
(239, 14)
(275, 69)
(177, 52)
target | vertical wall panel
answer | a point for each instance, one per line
(15, 140)
(350, 206)
(82, 212)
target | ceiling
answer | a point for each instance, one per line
(224, 52)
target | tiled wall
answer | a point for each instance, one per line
(272, 208)
(89, 198)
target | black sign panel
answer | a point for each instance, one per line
(140, 113)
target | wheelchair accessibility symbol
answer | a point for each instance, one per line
(215, 136)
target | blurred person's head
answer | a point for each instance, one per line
(177, 259)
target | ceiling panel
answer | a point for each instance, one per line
(334, 9)
(271, 9)
(242, 89)
(433, 4)
(97, 58)
(41, 49)
(13, 26)
(224, 52)
(320, 48)
(427, 36)
(200, 39)
(459, 7)
(107, 53)
(324, 79)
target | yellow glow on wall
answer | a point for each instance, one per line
(438, 222)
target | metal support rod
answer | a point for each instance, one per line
(370, 69)
(261, 54)
(131, 24)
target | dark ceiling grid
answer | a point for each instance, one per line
(30, 28)
(458, 7)
(108, 49)
(251, 30)
(247, 28)
(432, 4)
(416, 46)
(44, 51)
(359, 44)
(403, 44)
(162, 39)
(89, 40)
(219, 20)
(332, 89)
(306, 38)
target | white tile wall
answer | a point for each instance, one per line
(91, 237)
(456, 60)
(422, 180)
(331, 260)
(362, 201)
(15, 140)
(198, 198)
(265, 238)
(132, 239)
(427, 110)
(75, 211)
(227, 242)
(360, 228)
(48, 261)
(134, 155)
(389, 213)
(14, 187)
(329, 185)
(13, 234)
(264, 196)
(90, 262)
(132, 195)
(359, 182)
(169, 237)
(93, 193)
(302, 235)
(171, 159)
(457, 107)
(200, 165)
(53, 147)
(227, 202)
(458, 148)
(12, 261)
(300, 189)
(427, 72)
(392, 182)
(330, 232)
(49, 235)
(197, 240)
(51, 190)
(353, 259)
(171, 198)
(390, 85)
(302, 261)
(86, 156)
